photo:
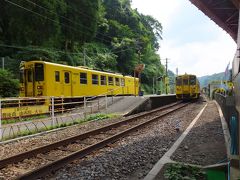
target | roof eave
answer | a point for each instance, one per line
(215, 18)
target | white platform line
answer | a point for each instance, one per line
(226, 133)
(166, 157)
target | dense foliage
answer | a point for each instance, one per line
(102, 34)
(9, 86)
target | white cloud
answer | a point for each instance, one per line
(209, 53)
(200, 58)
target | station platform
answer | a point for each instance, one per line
(204, 144)
(119, 105)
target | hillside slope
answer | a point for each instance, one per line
(205, 80)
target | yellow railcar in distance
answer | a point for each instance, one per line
(40, 78)
(187, 87)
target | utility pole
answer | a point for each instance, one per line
(153, 85)
(166, 83)
(84, 57)
(139, 73)
(3, 63)
(166, 67)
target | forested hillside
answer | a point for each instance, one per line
(205, 80)
(105, 34)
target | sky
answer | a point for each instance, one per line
(191, 41)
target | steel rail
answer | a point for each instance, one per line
(55, 165)
(31, 153)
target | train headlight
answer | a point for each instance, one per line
(39, 87)
(40, 93)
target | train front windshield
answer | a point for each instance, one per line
(185, 81)
(178, 81)
(39, 72)
(192, 80)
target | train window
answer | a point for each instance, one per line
(39, 72)
(192, 80)
(29, 75)
(95, 79)
(178, 81)
(67, 77)
(117, 82)
(57, 76)
(83, 78)
(103, 80)
(185, 81)
(122, 82)
(110, 81)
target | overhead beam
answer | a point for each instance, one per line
(236, 3)
(207, 11)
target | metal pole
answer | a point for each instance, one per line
(53, 119)
(112, 96)
(62, 105)
(3, 63)
(153, 85)
(91, 107)
(85, 106)
(84, 56)
(98, 104)
(166, 86)
(19, 106)
(0, 120)
(85, 103)
(135, 83)
(106, 101)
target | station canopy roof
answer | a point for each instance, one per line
(224, 13)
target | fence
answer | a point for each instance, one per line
(227, 105)
(23, 116)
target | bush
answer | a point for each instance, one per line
(9, 87)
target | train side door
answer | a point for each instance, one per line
(29, 91)
(186, 87)
(67, 84)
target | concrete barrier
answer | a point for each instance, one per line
(227, 105)
(153, 102)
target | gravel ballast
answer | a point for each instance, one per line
(18, 146)
(135, 155)
(204, 145)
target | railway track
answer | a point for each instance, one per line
(40, 161)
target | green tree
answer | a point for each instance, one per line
(113, 36)
(80, 24)
(9, 86)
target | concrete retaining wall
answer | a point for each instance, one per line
(153, 102)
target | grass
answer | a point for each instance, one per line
(95, 117)
(12, 121)
(184, 172)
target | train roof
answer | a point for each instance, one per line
(79, 68)
(186, 75)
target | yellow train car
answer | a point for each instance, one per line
(40, 78)
(187, 87)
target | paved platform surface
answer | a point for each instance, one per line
(156, 172)
(167, 156)
(120, 105)
(125, 104)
